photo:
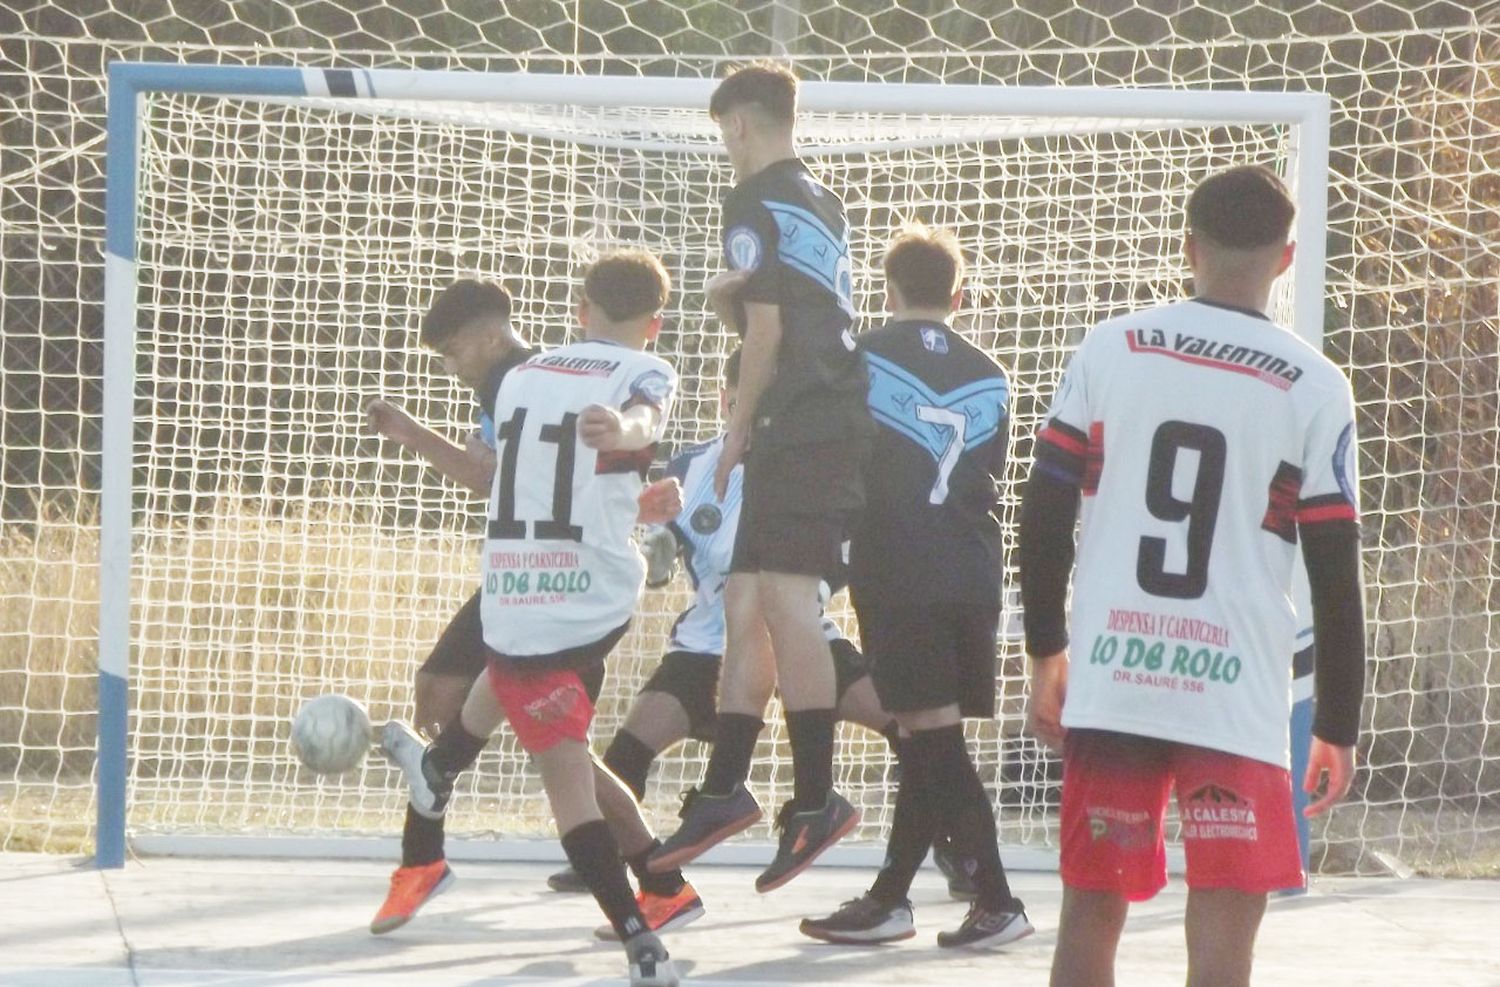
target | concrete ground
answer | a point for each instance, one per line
(252, 923)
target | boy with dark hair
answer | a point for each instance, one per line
(802, 430)
(468, 325)
(576, 429)
(1204, 442)
(925, 559)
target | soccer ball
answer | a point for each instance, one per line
(331, 734)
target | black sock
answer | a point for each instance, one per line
(663, 884)
(595, 855)
(918, 808)
(734, 746)
(811, 734)
(421, 839)
(970, 820)
(630, 761)
(453, 751)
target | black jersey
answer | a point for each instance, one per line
(484, 395)
(928, 532)
(790, 231)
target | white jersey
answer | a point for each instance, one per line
(705, 533)
(559, 568)
(1201, 436)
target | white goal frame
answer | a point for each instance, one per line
(129, 83)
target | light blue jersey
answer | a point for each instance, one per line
(705, 532)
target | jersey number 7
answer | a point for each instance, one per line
(504, 526)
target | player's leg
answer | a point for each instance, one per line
(1221, 925)
(1240, 838)
(1088, 934)
(817, 816)
(442, 685)
(1114, 799)
(860, 703)
(722, 805)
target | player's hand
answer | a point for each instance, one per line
(1339, 763)
(659, 502)
(659, 546)
(1049, 687)
(600, 427)
(729, 457)
(722, 290)
(389, 420)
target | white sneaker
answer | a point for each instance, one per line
(650, 966)
(400, 743)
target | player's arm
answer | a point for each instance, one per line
(472, 466)
(1328, 525)
(1045, 550)
(757, 368)
(629, 430)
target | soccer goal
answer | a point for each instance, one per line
(273, 235)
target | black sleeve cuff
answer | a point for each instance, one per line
(1049, 509)
(1331, 551)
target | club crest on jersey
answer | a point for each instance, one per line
(935, 340)
(707, 519)
(653, 387)
(742, 245)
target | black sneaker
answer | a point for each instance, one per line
(958, 869)
(805, 835)
(707, 820)
(864, 921)
(567, 881)
(982, 927)
(650, 966)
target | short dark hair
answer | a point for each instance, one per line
(627, 284)
(1242, 208)
(768, 85)
(460, 304)
(732, 369)
(926, 265)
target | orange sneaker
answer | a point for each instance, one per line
(411, 888)
(662, 912)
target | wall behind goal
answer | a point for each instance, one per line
(1414, 255)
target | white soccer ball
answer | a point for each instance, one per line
(331, 734)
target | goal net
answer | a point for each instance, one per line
(271, 256)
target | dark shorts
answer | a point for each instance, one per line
(693, 680)
(460, 650)
(926, 657)
(582, 658)
(797, 505)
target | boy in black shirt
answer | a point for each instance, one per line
(802, 429)
(925, 564)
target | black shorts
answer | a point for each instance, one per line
(460, 650)
(797, 505)
(582, 658)
(692, 678)
(926, 657)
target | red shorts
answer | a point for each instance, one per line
(1238, 828)
(544, 708)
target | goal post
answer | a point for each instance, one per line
(897, 145)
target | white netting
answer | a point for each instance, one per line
(286, 251)
(1414, 261)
